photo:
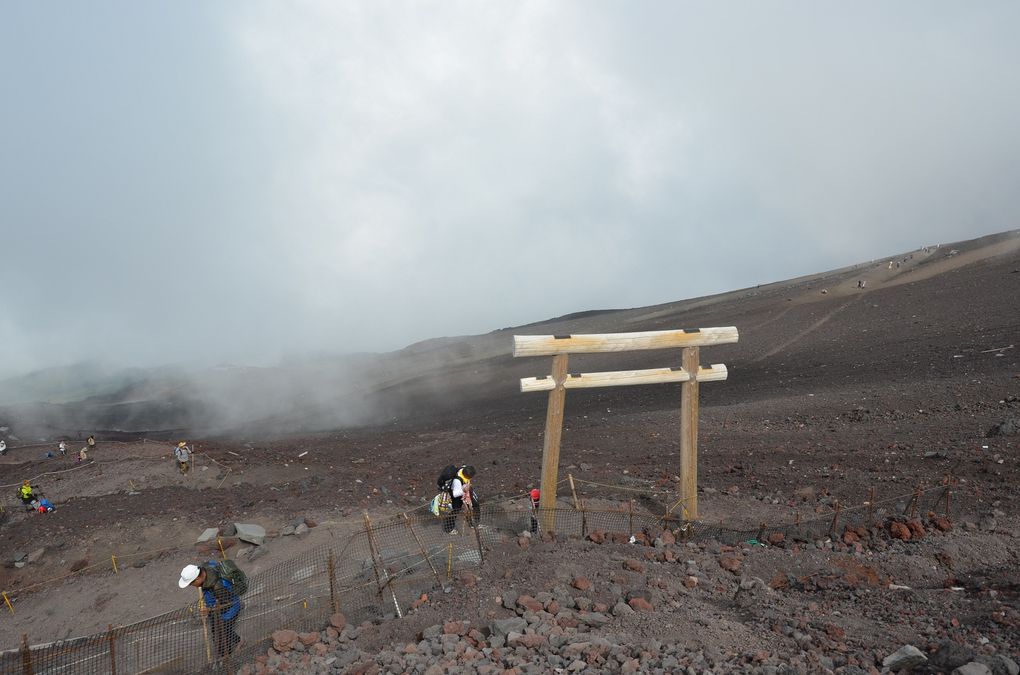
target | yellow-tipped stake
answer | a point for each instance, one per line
(114, 559)
(449, 562)
(8, 601)
(222, 552)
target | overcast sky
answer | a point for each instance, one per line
(238, 181)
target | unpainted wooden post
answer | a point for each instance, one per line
(421, 547)
(835, 519)
(577, 506)
(689, 433)
(551, 445)
(871, 507)
(949, 490)
(375, 558)
(331, 567)
(113, 649)
(630, 517)
(26, 655)
(205, 625)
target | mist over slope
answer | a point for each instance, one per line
(941, 306)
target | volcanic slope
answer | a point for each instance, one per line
(833, 389)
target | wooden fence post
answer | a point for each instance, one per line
(630, 516)
(375, 560)
(26, 655)
(421, 547)
(334, 603)
(689, 433)
(205, 626)
(835, 520)
(478, 542)
(551, 444)
(577, 506)
(113, 649)
(949, 490)
(871, 507)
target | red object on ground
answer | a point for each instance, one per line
(535, 495)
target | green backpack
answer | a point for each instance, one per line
(229, 570)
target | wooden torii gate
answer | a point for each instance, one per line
(561, 346)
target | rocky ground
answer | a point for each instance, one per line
(830, 394)
(593, 606)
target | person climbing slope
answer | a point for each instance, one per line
(457, 482)
(222, 584)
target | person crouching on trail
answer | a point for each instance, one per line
(26, 493)
(459, 487)
(183, 454)
(219, 601)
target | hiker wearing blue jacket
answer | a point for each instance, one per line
(220, 602)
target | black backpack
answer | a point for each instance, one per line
(447, 476)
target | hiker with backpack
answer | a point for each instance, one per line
(222, 584)
(456, 482)
(183, 454)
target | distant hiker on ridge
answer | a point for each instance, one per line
(457, 482)
(91, 442)
(63, 449)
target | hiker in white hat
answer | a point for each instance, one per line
(222, 584)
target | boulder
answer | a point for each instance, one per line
(640, 604)
(950, 655)
(973, 668)
(899, 531)
(208, 534)
(504, 627)
(1009, 427)
(36, 555)
(730, 564)
(253, 534)
(301, 530)
(905, 658)
(284, 640)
